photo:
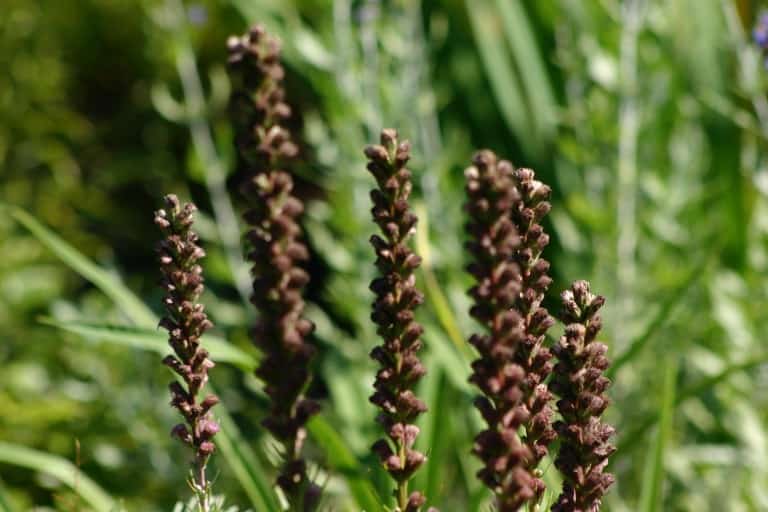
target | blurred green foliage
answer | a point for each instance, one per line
(647, 117)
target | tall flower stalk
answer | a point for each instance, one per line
(393, 313)
(532, 356)
(505, 206)
(493, 241)
(186, 321)
(580, 382)
(265, 146)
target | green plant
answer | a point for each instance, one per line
(670, 92)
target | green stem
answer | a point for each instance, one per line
(402, 487)
(201, 485)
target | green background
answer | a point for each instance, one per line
(648, 118)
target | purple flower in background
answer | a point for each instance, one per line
(197, 14)
(760, 33)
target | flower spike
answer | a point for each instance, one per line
(186, 321)
(393, 312)
(265, 146)
(580, 382)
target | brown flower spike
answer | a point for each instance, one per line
(393, 313)
(186, 322)
(264, 145)
(505, 241)
(535, 359)
(579, 381)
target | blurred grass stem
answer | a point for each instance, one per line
(438, 300)
(205, 148)
(626, 208)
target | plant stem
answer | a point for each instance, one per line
(203, 501)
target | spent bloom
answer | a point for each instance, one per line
(493, 243)
(277, 252)
(393, 312)
(580, 382)
(186, 321)
(532, 356)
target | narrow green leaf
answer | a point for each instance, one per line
(437, 300)
(235, 449)
(243, 462)
(467, 425)
(653, 478)
(59, 468)
(342, 461)
(505, 86)
(533, 74)
(436, 437)
(666, 308)
(457, 368)
(637, 434)
(5, 502)
(155, 341)
(111, 285)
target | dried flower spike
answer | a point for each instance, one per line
(534, 358)
(579, 381)
(277, 251)
(493, 242)
(257, 104)
(393, 313)
(186, 322)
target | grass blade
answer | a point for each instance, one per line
(343, 462)
(653, 478)
(637, 434)
(243, 462)
(155, 341)
(61, 469)
(538, 88)
(120, 294)
(437, 437)
(235, 449)
(5, 502)
(437, 300)
(496, 61)
(666, 308)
